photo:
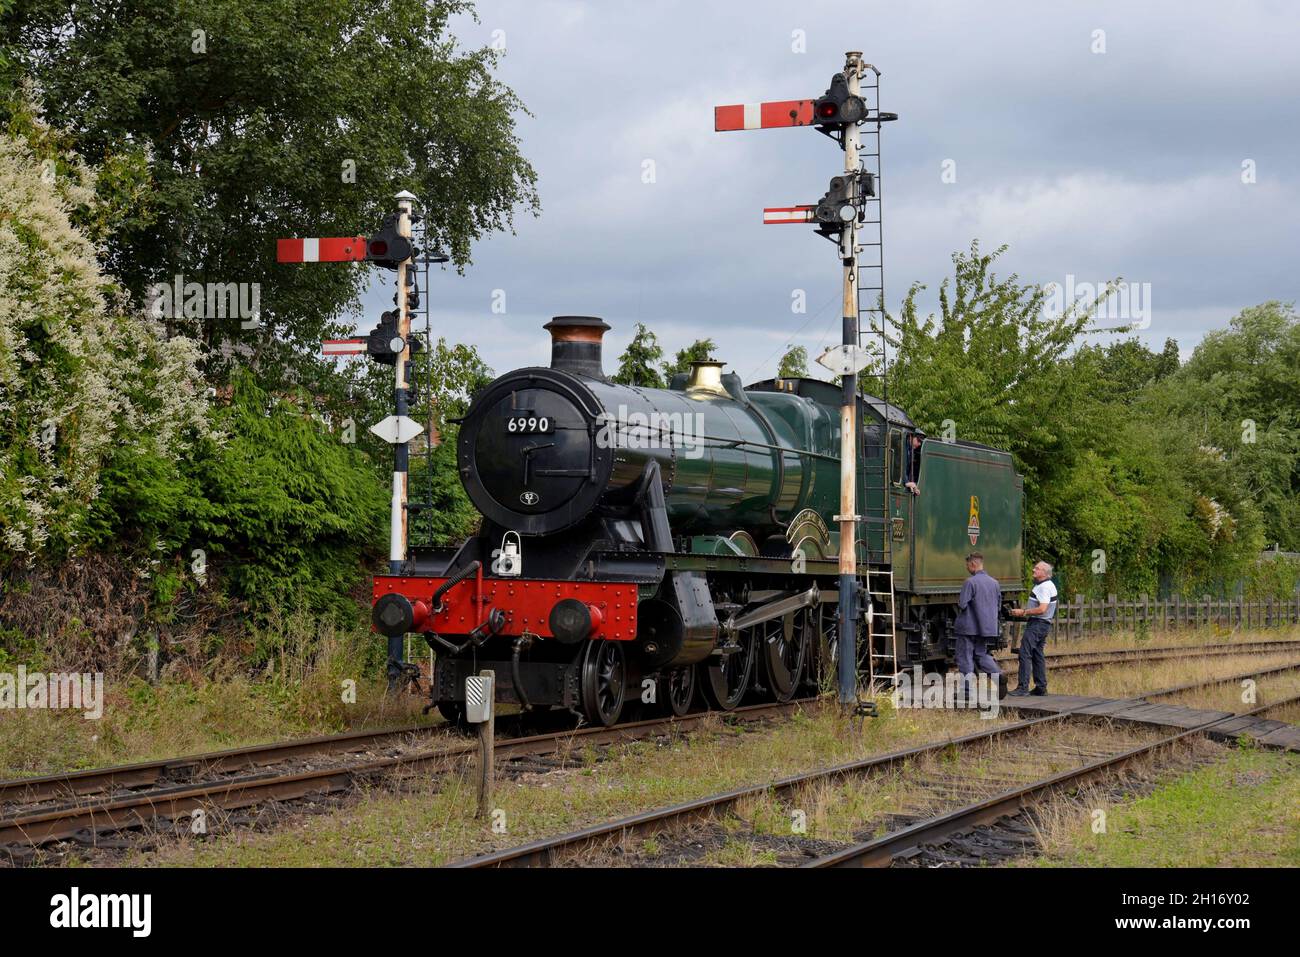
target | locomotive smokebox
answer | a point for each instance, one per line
(576, 344)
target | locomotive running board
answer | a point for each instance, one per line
(779, 608)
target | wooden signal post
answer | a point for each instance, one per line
(837, 113)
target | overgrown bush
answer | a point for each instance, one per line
(84, 377)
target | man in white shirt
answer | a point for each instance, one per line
(1040, 615)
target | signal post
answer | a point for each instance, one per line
(848, 518)
(390, 343)
(837, 113)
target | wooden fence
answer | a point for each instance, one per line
(1088, 617)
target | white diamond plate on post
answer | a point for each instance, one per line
(845, 360)
(397, 428)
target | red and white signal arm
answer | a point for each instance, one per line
(343, 347)
(321, 250)
(763, 116)
(773, 215)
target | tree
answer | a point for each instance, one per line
(794, 364)
(636, 366)
(1128, 367)
(1117, 493)
(1169, 360)
(287, 514)
(224, 124)
(698, 351)
(1238, 396)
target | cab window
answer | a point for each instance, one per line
(895, 457)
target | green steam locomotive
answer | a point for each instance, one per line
(666, 547)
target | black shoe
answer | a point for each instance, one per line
(1039, 691)
(1002, 686)
(1018, 693)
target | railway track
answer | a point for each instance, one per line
(82, 804)
(53, 787)
(69, 786)
(160, 798)
(1075, 660)
(561, 848)
(885, 850)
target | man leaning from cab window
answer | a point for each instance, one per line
(912, 474)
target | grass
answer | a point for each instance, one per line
(431, 820)
(1214, 635)
(1234, 696)
(434, 823)
(1130, 678)
(297, 692)
(1241, 811)
(302, 690)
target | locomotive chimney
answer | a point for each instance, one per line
(575, 344)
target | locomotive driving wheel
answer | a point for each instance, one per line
(784, 651)
(824, 650)
(604, 668)
(726, 679)
(678, 689)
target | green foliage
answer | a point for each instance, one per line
(1239, 397)
(1118, 492)
(636, 366)
(220, 125)
(794, 364)
(1274, 576)
(698, 351)
(288, 514)
(213, 129)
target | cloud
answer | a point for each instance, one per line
(1125, 163)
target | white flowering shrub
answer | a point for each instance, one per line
(84, 375)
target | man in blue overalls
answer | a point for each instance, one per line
(977, 621)
(1040, 615)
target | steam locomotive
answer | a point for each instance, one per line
(645, 545)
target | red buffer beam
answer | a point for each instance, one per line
(763, 116)
(328, 250)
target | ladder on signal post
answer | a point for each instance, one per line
(419, 270)
(882, 629)
(882, 625)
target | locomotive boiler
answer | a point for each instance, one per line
(638, 545)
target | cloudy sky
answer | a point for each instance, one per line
(1092, 165)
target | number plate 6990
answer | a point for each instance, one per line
(529, 424)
